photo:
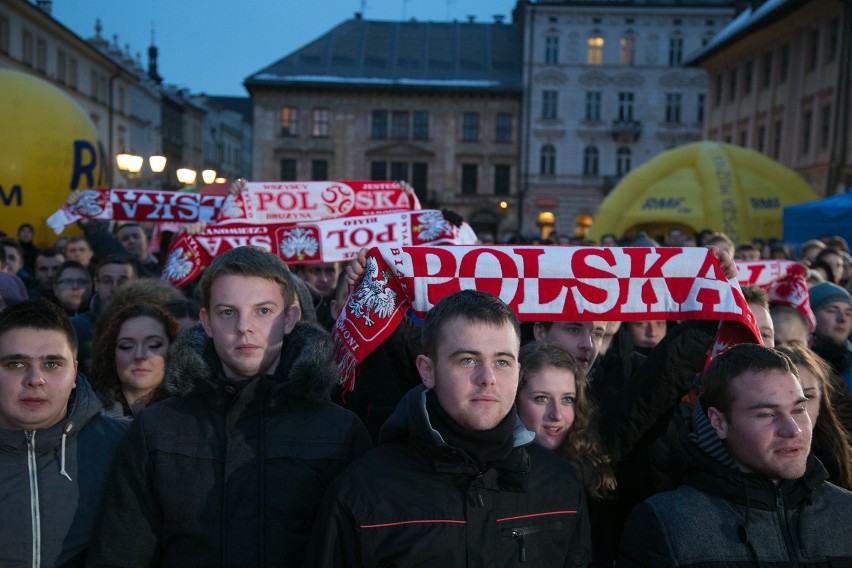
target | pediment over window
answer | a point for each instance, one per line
(594, 79)
(551, 78)
(628, 79)
(400, 149)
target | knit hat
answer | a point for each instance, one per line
(12, 289)
(825, 293)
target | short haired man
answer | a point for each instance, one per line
(832, 307)
(321, 280)
(454, 480)
(758, 302)
(751, 494)
(56, 445)
(582, 339)
(646, 334)
(229, 470)
(77, 248)
(47, 262)
(791, 326)
(73, 287)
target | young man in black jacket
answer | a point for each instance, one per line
(751, 492)
(455, 480)
(229, 470)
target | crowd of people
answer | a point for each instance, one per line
(143, 425)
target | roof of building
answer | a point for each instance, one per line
(241, 105)
(385, 55)
(642, 3)
(746, 22)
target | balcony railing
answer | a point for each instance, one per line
(626, 130)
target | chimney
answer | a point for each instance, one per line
(498, 18)
(471, 19)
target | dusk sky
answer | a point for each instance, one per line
(211, 46)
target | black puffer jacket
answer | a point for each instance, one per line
(415, 501)
(51, 482)
(721, 516)
(216, 476)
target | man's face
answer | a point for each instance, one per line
(323, 277)
(72, 287)
(834, 322)
(790, 330)
(474, 372)
(134, 241)
(764, 324)
(37, 374)
(247, 320)
(79, 251)
(581, 339)
(110, 277)
(14, 262)
(45, 270)
(767, 430)
(647, 333)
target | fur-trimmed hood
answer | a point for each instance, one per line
(306, 370)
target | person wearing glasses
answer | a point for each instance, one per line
(73, 287)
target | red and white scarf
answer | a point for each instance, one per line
(331, 240)
(784, 281)
(541, 284)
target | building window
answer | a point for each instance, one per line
(399, 171)
(503, 127)
(502, 179)
(420, 130)
(767, 70)
(288, 170)
(289, 121)
(420, 179)
(379, 125)
(673, 106)
(61, 68)
(807, 117)
(27, 48)
(625, 106)
(378, 171)
(595, 50)
(72, 72)
(732, 85)
(622, 161)
(785, 63)
(321, 123)
(761, 138)
(399, 125)
(825, 126)
(593, 105)
(590, 161)
(776, 143)
(41, 56)
(833, 40)
(470, 127)
(717, 99)
(699, 109)
(744, 139)
(547, 163)
(5, 40)
(813, 49)
(469, 179)
(628, 50)
(549, 100)
(748, 72)
(675, 51)
(319, 170)
(551, 50)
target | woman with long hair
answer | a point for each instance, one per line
(831, 441)
(130, 357)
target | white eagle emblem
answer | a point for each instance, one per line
(298, 243)
(178, 265)
(431, 225)
(372, 296)
(232, 208)
(88, 205)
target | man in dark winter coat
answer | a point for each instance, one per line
(55, 445)
(455, 480)
(751, 493)
(229, 471)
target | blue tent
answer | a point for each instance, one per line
(811, 220)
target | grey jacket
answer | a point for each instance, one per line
(51, 482)
(721, 516)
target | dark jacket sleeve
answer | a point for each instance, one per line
(650, 396)
(581, 543)
(642, 541)
(99, 237)
(334, 541)
(129, 522)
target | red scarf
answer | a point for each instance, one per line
(784, 281)
(541, 284)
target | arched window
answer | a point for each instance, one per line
(622, 161)
(590, 161)
(594, 52)
(547, 165)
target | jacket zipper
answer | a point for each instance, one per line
(520, 536)
(32, 469)
(782, 518)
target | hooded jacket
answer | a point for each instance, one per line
(223, 476)
(51, 482)
(721, 516)
(414, 500)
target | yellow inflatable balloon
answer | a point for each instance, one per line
(48, 147)
(703, 185)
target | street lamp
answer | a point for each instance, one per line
(186, 176)
(157, 163)
(209, 176)
(129, 163)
